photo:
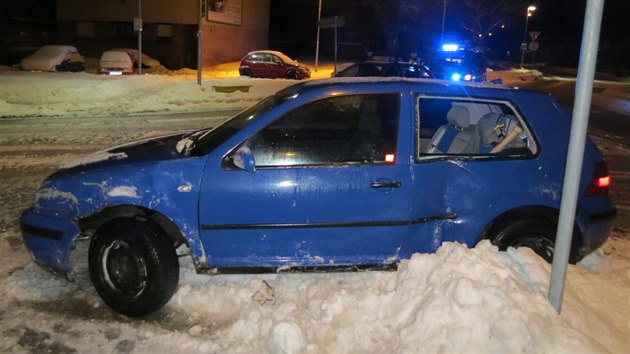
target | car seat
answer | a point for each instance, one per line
(456, 137)
(493, 128)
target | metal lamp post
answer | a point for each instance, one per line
(319, 17)
(530, 11)
(443, 20)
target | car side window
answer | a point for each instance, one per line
(335, 130)
(469, 127)
(275, 59)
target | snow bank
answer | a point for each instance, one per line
(457, 300)
(35, 94)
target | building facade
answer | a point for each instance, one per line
(230, 28)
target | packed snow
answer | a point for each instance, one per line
(456, 300)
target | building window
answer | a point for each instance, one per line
(85, 29)
(164, 32)
(123, 30)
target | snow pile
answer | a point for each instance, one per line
(457, 300)
(29, 94)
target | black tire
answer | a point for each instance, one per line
(133, 266)
(291, 75)
(537, 234)
(247, 72)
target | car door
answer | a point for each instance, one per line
(276, 67)
(460, 190)
(327, 189)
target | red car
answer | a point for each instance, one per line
(272, 64)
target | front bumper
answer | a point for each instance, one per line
(49, 238)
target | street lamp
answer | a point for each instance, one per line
(319, 17)
(530, 11)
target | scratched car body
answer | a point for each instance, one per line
(338, 174)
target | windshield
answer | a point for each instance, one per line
(212, 138)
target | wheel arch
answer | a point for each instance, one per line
(539, 212)
(93, 222)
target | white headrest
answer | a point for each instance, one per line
(459, 116)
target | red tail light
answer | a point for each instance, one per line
(600, 184)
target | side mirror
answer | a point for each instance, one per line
(244, 159)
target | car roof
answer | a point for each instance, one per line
(274, 52)
(480, 89)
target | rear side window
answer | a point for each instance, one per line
(470, 127)
(335, 130)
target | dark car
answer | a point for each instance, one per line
(458, 64)
(272, 64)
(386, 69)
(337, 174)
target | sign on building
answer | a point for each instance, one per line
(225, 11)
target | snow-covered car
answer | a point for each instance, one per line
(272, 64)
(54, 58)
(338, 174)
(147, 61)
(114, 62)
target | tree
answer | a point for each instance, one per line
(486, 15)
(393, 16)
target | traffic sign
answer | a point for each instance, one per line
(137, 24)
(331, 22)
(534, 35)
(533, 46)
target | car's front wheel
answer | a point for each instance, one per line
(247, 72)
(291, 75)
(133, 266)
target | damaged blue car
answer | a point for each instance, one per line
(337, 174)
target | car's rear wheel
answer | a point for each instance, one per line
(537, 234)
(133, 266)
(247, 72)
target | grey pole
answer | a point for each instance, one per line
(581, 108)
(199, 45)
(524, 38)
(335, 68)
(443, 20)
(319, 17)
(140, 38)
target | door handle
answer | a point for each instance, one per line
(378, 184)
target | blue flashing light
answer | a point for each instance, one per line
(456, 77)
(450, 47)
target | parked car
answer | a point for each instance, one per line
(115, 62)
(147, 61)
(337, 174)
(272, 64)
(458, 64)
(54, 58)
(386, 69)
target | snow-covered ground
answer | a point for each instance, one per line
(457, 300)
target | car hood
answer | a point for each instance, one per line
(149, 173)
(162, 148)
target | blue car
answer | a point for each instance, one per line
(337, 174)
